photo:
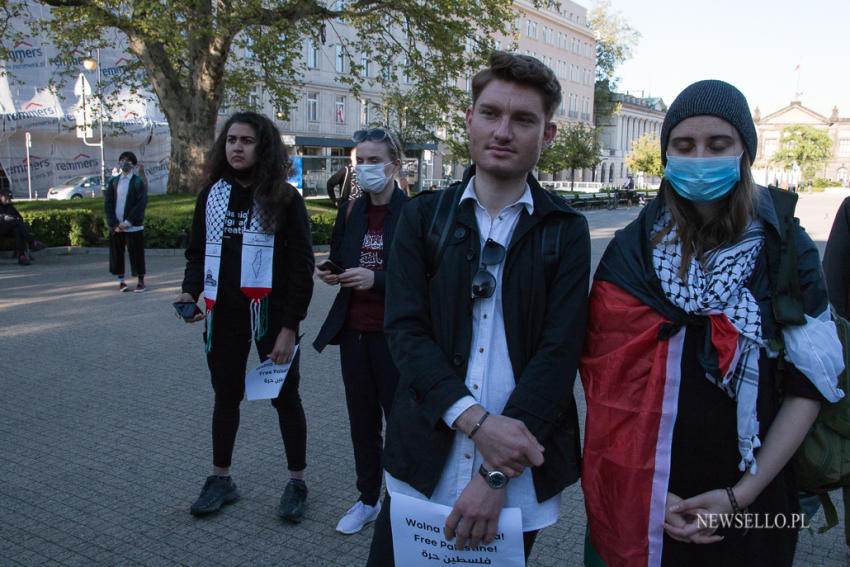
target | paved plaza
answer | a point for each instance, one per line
(105, 429)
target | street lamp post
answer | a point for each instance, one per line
(90, 64)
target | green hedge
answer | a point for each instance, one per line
(323, 226)
(80, 222)
(65, 227)
(85, 228)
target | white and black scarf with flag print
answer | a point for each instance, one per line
(717, 285)
(257, 260)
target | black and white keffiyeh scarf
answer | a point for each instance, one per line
(717, 285)
(257, 260)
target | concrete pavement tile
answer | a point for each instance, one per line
(120, 451)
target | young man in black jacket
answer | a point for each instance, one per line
(488, 342)
(124, 203)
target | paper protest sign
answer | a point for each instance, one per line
(418, 539)
(265, 381)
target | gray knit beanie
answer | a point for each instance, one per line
(714, 98)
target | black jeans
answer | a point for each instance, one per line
(227, 360)
(381, 550)
(20, 231)
(370, 379)
(135, 244)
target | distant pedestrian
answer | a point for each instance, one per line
(125, 199)
(630, 190)
(250, 254)
(361, 246)
(346, 180)
(12, 224)
(810, 185)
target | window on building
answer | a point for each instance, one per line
(365, 64)
(249, 48)
(364, 112)
(339, 114)
(844, 147)
(254, 99)
(406, 73)
(770, 146)
(312, 55)
(534, 30)
(312, 107)
(470, 44)
(340, 59)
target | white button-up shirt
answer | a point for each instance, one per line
(490, 379)
(121, 190)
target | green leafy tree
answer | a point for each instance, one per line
(615, 39)
(645, 155)
(806, 147)
(457, 141)
(193, 52)
(576, 146)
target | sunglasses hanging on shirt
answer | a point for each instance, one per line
(484, 283)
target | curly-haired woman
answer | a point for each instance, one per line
(250, 254)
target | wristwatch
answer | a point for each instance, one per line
(495, 479)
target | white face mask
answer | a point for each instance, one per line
(371, 177)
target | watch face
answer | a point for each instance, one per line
(496, 479)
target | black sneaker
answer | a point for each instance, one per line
(217, 491)
(293, 502)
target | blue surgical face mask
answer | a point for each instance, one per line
(703, 179)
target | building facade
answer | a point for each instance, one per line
(770, 139)
(635, 118)
(324, 118)
(320, 124)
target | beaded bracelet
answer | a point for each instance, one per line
(478, 425)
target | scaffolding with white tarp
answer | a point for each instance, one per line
(54, 109)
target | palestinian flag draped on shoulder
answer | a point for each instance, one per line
(631, 370)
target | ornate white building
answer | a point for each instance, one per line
(770, 135)
(635, 118)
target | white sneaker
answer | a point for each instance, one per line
(358, 516)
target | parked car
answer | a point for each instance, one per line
(77, 188)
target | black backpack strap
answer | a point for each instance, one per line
(787, 297)
(441, 227)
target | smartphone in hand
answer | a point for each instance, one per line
(187, 310)
(329, 266)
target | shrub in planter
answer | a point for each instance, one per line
(323, 226)
(63, 227)
(166, 232)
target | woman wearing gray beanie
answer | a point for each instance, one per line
(687, 439)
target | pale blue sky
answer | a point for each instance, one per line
(753, 44)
